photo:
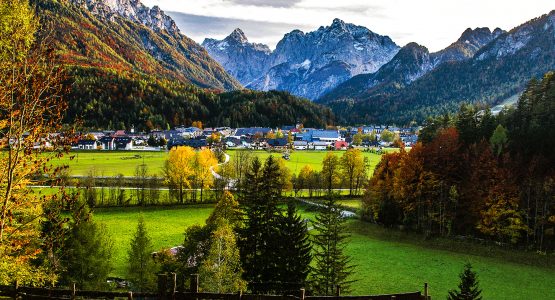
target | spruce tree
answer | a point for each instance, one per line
(259, 236)
(468, 287)
(332, 267)
(140, 265)
(88, 252)
(294, 250)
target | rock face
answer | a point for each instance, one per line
(243, 60)
(412, 62)
(133, 10)
(305, 64)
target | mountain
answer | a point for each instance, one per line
(498, 71)
(243, 60)
(305, 64)
(411, 62)
(125, 35)
(129, 66)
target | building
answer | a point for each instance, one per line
(300, 145)
(87, 145)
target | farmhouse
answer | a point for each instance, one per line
(87, 145)
(278, 144)
(300, 145)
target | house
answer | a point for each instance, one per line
(320, 145)
(278, 144)
(123, 143)
(87, 145)
(189, 132)
(193, 143)
(341, 145)
(329, 136)
(250, 132)
(233, 143)
(300, 145)
(107, 143)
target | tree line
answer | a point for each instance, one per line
(476, 174)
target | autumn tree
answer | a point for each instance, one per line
(330, 171)
(30, 109)
(387, 136)
(205, 160)
(352, 167)
(221, 270)
(179, 168)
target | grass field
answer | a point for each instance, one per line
(298, 159)
(386, 261)
(112, 163)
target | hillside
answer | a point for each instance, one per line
(130, 38)
(498, 71)
(106, 99)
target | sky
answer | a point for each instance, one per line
(432, 23)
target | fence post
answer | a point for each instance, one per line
(426, 290)
(173, 278)
(162, 286)
(239, 295)
(302, 294)
(16, 290)
(194, 283)
(393, 297)
(129, 295)
(337, 290)
(73, 292)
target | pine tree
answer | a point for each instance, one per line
(332, 267)
(140, 265)
(295, 250)
(468, 287)
(88, 252)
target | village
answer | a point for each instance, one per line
(255, 138)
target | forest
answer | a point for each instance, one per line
(475, 174)
(109, 99)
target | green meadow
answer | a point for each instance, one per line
(386, 260)
(112, 163)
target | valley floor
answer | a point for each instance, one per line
(386, 260)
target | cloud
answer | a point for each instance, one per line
(267, 3)
(200, 27)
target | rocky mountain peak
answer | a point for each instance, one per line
(238, 36)
(133, 10)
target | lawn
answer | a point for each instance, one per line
(298, 159)
(386, 261)
(112, 163)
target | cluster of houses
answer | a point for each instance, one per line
(287, 137)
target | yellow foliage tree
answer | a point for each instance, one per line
(204, 161)
(352, 167)
(179, 169)
(30, 108)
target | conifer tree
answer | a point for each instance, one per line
(140, 265)
(88, 252)
(332, 267)
(295, 250)
(468, 287)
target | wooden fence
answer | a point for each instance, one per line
(167, 290)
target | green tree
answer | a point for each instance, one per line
(140, 265)
(220, 270)
(295, 250)
(387, 136)
(88, 251)
(332, 267)
(352, 167)
(499, 139)
(357, 139)
(469, 288)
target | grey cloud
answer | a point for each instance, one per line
(200, 27)
(270, 3)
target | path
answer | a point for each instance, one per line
(344, 213)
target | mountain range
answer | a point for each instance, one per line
(365, 77)
(305, 64)
(128, 65)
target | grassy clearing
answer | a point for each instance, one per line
(298, 159)
(112, 163)
(387, 260)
